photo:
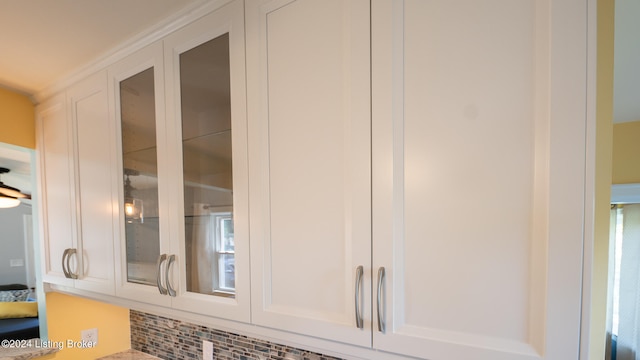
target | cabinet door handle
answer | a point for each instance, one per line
(381, 276)
(64, 265)
(71, 252)
(170, 261)
(161, 259)
(358, 290)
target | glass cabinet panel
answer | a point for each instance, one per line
(207, 168)
(139, 158)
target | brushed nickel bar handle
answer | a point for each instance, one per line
(381, 276)
(170, 261)
(64, 268)
(358, 289)
(71, 252)
(161, 259)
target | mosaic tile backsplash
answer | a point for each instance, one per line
(173, 339)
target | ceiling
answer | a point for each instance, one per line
(46, 40)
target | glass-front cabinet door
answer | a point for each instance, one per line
(207, 168)
(207, 138)
(140, 177)
(136, 86)
(180, 115)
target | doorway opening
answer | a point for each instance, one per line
(20, 281)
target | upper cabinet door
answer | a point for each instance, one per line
(89, 114)
(207, 135)
(75, 164)
(136, 86)
(309, 114)
(56, 182)
(479, 118)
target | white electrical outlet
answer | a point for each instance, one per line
(90, 335)
(16, 262)
(207, 350)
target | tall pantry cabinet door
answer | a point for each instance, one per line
(207, 134)
(136, 93)
(309, 149)
(478, 177)
(56, 186)
(89, 114)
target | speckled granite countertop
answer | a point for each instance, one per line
(25, 349)
(129, 355)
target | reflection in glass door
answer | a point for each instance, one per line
(207, 168)
(139, 158)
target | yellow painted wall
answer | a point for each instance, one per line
(17, 119)
(67, 316)
(604, 139)
(626, 153)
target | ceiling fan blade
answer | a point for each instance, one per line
(11, 191)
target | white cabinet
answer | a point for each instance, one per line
(94, 184)
(136, 95)
(77, 189)
(56, 186)
(410, 175)
(180, 114)
(309, 113)
(477, 181)
(207, 157)
(478, 177)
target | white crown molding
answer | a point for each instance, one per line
(137, 42)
